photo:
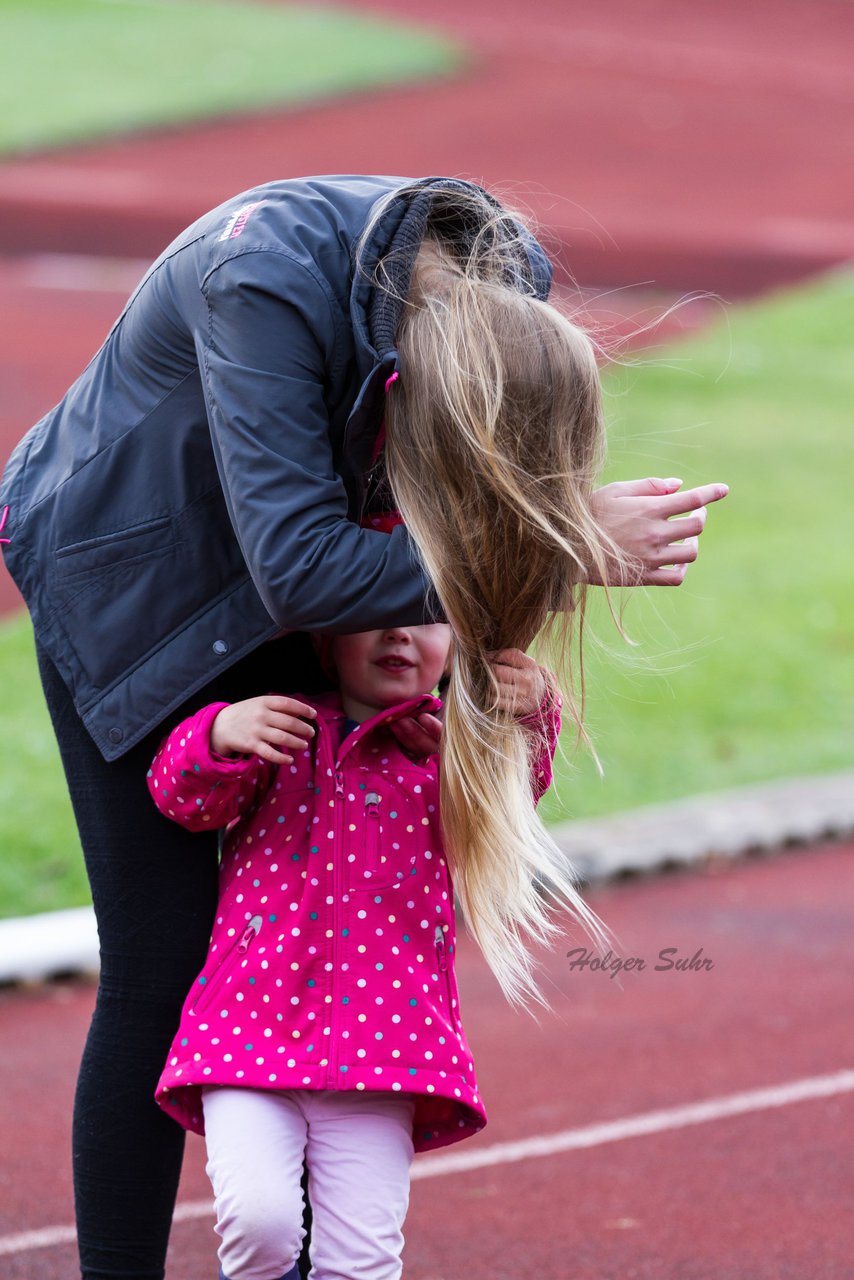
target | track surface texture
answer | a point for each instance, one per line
(762, 1195)
(706, 145)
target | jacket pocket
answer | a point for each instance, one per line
(211, 982)
(388, 853)
(149, 538)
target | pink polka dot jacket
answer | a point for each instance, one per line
(331, 963)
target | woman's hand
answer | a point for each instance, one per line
(261, 726)
(637, 515)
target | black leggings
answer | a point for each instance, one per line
(154, 889)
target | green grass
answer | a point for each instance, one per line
(744, 673)
(42, 866)
(73, 70)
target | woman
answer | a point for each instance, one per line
(197, 493)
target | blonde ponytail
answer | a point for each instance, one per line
(494, 437)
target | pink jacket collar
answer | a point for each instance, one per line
(330, 711)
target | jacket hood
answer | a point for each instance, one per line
(398, 232)
(400, 221)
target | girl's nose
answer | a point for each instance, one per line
(400, 635)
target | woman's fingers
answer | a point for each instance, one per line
(679, 553)
(665, 577)
(686, 526)
(649, 487)
(678, 504)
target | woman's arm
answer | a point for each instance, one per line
(270, 346)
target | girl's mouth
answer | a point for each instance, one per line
(394, 664)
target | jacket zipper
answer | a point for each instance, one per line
(372, 834)
(337, 875)
(244, 942)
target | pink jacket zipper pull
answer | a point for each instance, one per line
(339, 783)
(249, 934)
(440, 948)
(372, 804)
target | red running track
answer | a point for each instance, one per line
(761, 1196)
(702, 145)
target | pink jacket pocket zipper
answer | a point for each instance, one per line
(372, 832)
(238, 949)
(442, 961)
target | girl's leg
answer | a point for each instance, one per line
(154, 890)
(359, 1155)
(256, 1142)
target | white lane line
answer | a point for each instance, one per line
(37, 1239)
(594, 1135)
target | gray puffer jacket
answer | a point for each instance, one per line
(199, 487)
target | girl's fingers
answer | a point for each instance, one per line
(430, 724)
(281, 738)
(268, 752)
(290, 724)
(288, 706)
(415, 739)
(510, 658)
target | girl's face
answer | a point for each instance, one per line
(380, 668)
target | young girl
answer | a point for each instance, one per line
(326, 1020)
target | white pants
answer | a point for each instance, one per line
(359, 1150)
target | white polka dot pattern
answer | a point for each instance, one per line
(331, 963)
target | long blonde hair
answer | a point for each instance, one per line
(494, 438)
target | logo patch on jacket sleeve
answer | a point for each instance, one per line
(236, 224)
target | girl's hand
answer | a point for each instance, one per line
(419, 736)
(637, 515)
(261, 726)
(522, 689)
(522, 681)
